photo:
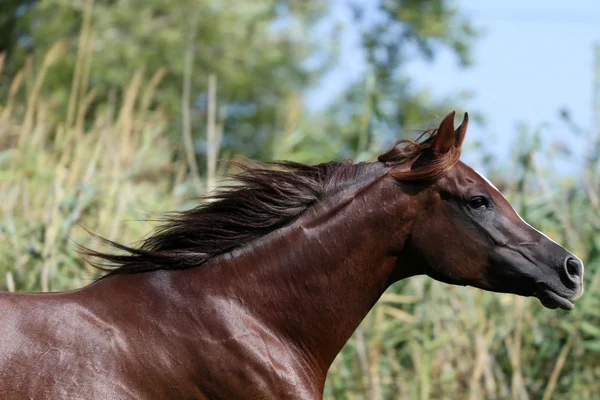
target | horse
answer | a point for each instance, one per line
(253, 294)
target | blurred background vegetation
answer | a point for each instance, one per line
(113, 109)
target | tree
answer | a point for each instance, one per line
(257, 66)
(258, 50)
(399, 31)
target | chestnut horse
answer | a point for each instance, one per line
(253, 294)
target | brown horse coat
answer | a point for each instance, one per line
(252, 295)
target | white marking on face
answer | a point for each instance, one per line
(488, 181)
(525, 222)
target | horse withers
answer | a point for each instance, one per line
(253, 294)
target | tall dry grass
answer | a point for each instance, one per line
(62, 176)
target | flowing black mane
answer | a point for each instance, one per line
(266, 197)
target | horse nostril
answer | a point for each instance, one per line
(574, 268)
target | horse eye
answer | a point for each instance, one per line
(479, 203)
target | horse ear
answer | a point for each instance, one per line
(461, 131)
(445, 138)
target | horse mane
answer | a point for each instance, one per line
(263, 198)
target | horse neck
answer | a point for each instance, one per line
(313, 281)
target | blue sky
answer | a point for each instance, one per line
(532, 59)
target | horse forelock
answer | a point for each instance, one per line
(428, 166)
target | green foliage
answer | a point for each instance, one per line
(109, 40)
(262, 52)
(54, 181)
(90, 136)
(399, 32)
